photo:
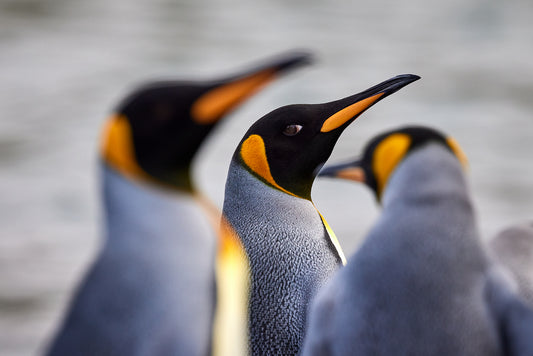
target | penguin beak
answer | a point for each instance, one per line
(348, 109)
(228, 93)
(350, 171)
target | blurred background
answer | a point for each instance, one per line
(64, 64)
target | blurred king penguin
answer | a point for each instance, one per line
(291, 249)
(420, 284)
(151, 289)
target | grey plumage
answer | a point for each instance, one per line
(290, 248)
(421, 283)
(132, 300)
(290, 256)
(513, 249)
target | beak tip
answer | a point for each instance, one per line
(296, 58)
(407, 78)
(414, 77)
(398, 82)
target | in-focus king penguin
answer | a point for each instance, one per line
(151, 290)
(420, 284)
(290, 247)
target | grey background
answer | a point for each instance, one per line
(64, 64)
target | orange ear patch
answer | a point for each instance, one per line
(212, 105)
(117, 147)
(387, 155)
(342, 116)
(458, 151)
(253, 153)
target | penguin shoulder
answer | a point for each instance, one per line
(513, 316)
(323, 313)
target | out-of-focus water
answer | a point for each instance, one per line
(63, 65)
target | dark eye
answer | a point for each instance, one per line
(292, 130)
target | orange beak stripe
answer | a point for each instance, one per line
(212, 105)
(341, 117)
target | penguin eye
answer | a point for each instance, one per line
(292, 130)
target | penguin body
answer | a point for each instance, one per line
(151, 290)
(420, 284)
(297, 261)
(131, 300)
(513, 249)
(290, 247)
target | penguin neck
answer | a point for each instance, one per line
(178, 179)
(428, 174)
(143, 209)
(262, 199)
(255, 209)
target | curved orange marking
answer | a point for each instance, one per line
(458, 151)
(387, 155)
(253, 154)
(342, 116)
(117, 147)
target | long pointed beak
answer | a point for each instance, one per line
(232, 91)
(348, 109)
(350, 171)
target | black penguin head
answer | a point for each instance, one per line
(384, 152)
(156, 131)
(286, 147)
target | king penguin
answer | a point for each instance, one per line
(151, 289)
(290, 247)
(420, 283)
(513, 248)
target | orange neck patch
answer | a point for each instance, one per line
(253, 154)
(232, 268)
(333, 238)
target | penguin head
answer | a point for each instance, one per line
(287, 147)
(383, 154)
(155, 132)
